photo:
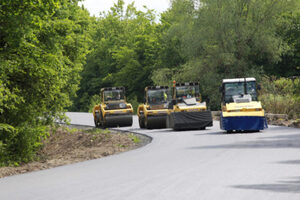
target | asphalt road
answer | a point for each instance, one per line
(190, 165)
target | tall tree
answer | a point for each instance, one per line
(289, 30)
(226, 39)
(42, 49)
(125, 48)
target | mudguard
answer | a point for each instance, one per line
(248, 123)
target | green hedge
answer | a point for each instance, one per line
(281, 96)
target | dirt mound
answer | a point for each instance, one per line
(66, 146)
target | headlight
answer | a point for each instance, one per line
(122, 105)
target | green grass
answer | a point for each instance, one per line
(98, 131)
(134, 138)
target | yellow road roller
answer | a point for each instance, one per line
(113, 111)
(186, 109)
(153, 113)
(241, 110)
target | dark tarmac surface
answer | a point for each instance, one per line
(200, 164)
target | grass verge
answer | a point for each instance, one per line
(66, 145)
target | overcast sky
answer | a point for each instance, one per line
(96, 6)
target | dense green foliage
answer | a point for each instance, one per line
(281, 96)
(289, 30)
(42, 50)
(203, 41)
(125, 48)
(228, 39)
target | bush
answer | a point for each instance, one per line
(281, 96)
(19, 144)
(95, 100)
(39, 70)
(134, 102)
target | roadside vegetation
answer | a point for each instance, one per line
(203, 41)
(66, 145)
(43, 45)
(55, 58)
(281, 96)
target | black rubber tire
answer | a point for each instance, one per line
(97, 120)
(96, 124)
(146, 124)
(101, 121)
(142, 122)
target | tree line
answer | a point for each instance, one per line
(43, 45)
(193, 40)
(55, 57)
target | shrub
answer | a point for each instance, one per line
(281, 96)
(39, 70)
(134, 102)
(95, 100)
(19, 144)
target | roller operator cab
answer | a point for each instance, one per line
(153, 113)
(113, 111)
(241, 111)
(186, 109)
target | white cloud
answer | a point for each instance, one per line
(97, 6)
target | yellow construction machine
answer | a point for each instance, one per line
(113, 111)
(241, 111)
(153, 113)
(186, 109)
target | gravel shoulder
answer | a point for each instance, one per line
(71, 144)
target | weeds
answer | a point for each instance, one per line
(134, 138)
(69, 130)
(281, 96)
(122, 145)
(98, 131)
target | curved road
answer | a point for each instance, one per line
(188, 165)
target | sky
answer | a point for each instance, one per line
(96, 6)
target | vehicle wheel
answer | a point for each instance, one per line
(96, 124)
(142, 121)
(101, 121)
(97, 120)
(202, 128)
(146, 123)
(229, 131)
